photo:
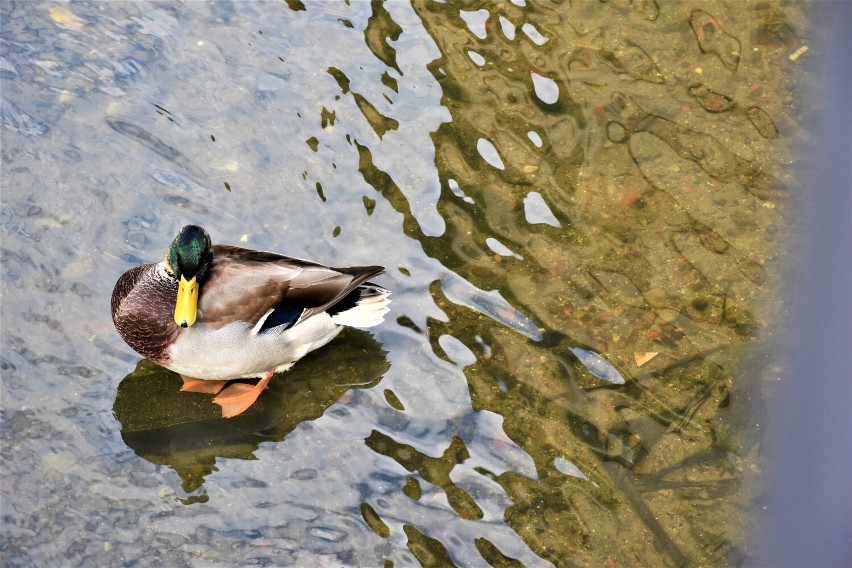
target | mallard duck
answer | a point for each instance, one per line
(215, 313)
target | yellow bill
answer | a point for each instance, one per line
(187, 302)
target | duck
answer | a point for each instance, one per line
(220, 314)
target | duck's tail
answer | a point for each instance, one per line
(365, 306)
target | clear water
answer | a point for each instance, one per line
(582, 208)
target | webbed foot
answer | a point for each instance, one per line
(237, 397)
(201, 385)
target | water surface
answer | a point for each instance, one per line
(582, 209)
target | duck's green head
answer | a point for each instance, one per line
(188, 260)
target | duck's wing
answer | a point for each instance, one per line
(248, 285)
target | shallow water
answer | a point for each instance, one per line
(583, 211)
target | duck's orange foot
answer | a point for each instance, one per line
(235, 399)
(201, 385)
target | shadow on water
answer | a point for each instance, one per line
(641, 240)
(186, 432)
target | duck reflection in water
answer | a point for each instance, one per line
(185, 431)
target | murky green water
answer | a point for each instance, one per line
(565, 195)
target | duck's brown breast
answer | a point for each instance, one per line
(143, 304)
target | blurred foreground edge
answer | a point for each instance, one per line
(808, 514)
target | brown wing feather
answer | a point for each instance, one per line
(245, 284)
